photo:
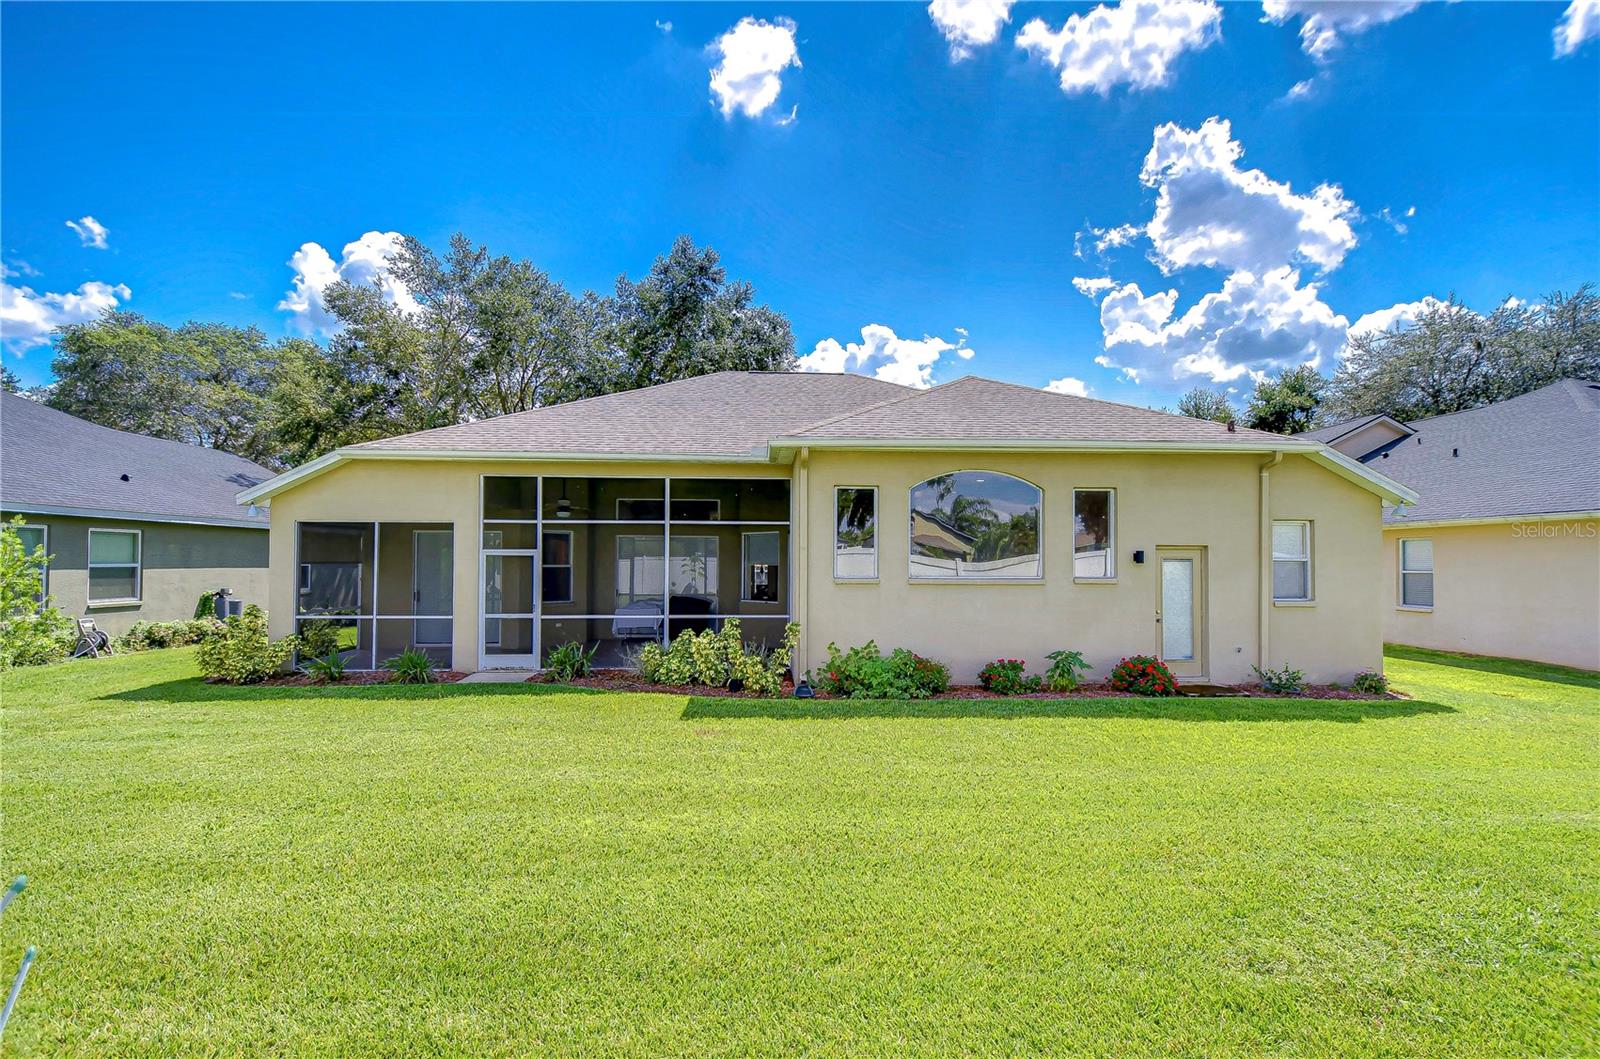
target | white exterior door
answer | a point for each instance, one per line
(1181, 611)
(509, 635)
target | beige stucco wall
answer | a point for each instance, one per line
(1518, 590)
(179, 563)
(1204, 501)
(1165, 500)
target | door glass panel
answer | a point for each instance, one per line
(1177, 609)
(508, 636)
(508, 584)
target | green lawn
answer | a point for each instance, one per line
(494, 870)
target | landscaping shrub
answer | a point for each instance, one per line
(242, 653)
(153, 635)
(318, 639)
(327, 669)
(713, 658)
(31, 634)
(410, 666)
(1283, 681)
(1004, 676)
(1066, 670)
(1144, 675)
(1370, 683)
(865, 673)
(569, 662)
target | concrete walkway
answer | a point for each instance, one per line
(497, 676)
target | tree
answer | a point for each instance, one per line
(202, 383)
(1287, 404)
(1201, 403)
(1450, 358)
(9, 382)
(684, 319)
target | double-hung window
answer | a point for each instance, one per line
(1416, 573)
(760, 561)
(855, 533)
(1291, 561)
(1094, 526)
(114, 565)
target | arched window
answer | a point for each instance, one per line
(976, 524)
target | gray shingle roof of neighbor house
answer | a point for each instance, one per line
(52, 463)
(1536, 454)
(1334, 431)
(759, 416)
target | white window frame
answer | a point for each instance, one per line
(137, 565)
(44, 571)
(1306, 539)
(1433, 581)
(568, 566)
(877, 527)
(914, 578)
(1111, 533)
(744, 566)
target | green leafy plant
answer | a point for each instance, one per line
(243, 653)
(154, 635)
(1144, 675)
(866, 673)
(569, 662)
(1004, 676)
(319, 639)
(410, 666)
(1369, 682)
(328, 669)
(32, 632)
(1283, 681)
(1066, 671)
(713, 658)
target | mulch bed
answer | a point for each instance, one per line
(627, 680)
(351, 679)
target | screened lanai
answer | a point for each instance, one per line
(386, 587)
(615, 563)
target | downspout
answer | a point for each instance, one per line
(800, 582)
(1264, 571)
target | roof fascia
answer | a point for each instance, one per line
(64, 511)
(1492, 520)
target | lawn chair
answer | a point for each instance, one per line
(27, 957)
(92, 643)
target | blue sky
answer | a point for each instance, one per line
(949, 200)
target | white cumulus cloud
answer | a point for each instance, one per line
(91, 231)
(1092, 286)
(1580, 22)
(969, 24)
(1068, 385)
(754, 55)
(884, 355)
(1133, 43)
(1257, 323)
(1399, 315)
(27, 317)
(364, 261)
(1211, 212)
(1326, 23)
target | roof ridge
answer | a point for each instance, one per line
(869, 407)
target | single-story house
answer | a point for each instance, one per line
(137, 527)
(969, 521)
(1501, 556)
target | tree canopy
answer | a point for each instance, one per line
(1201, 403)
(1287, 404)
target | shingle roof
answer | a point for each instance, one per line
(730, 413)
(976, 409)
(1334, 431)
(758, 415)
(1534, 454)
(50, 460)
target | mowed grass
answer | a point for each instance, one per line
(494, 870)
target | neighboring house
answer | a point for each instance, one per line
(138, 527)
(1501, 556)
(974, 520)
